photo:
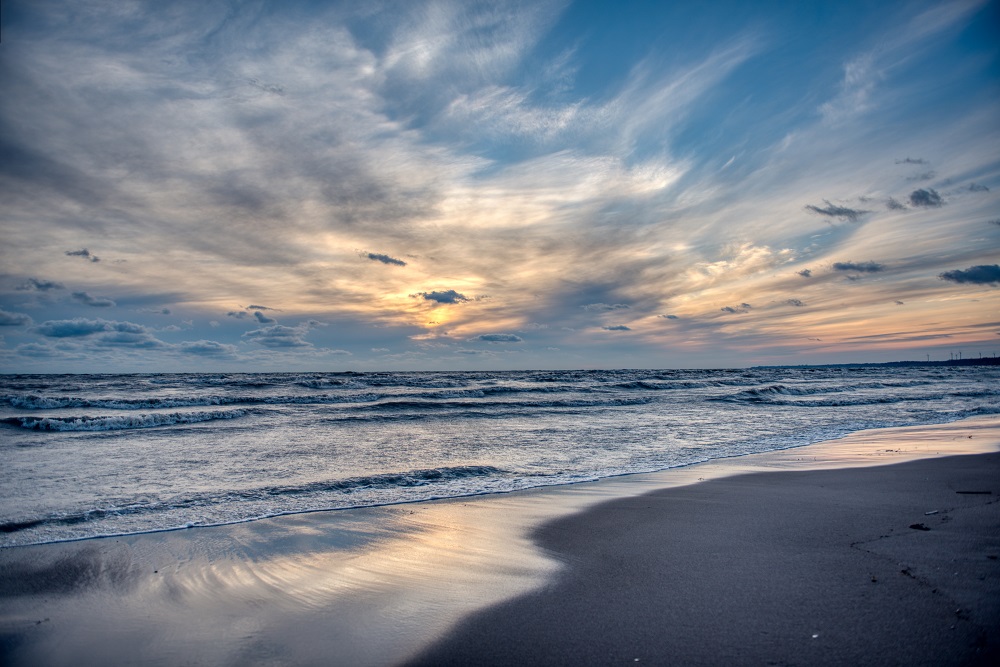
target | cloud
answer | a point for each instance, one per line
(279, 336)
(983, 274)
(617, 327)
(272, 88)
(834, 211)
(863, 267)
(976, 187)
(385, 259)
(38, 350)
(925, 176)
(143, 341)
(335, 135)
(805, 273)
(605, 307)
(447, 296)
(83, 252)
(910, 160)
(95, 301)
(898, 302)
(894, 205)
(253, 306)
(238, 314)
(40, 285)
(795, 302)
(83, 327)
(154, 311)
(207, 348)
(742, 308)
(496, 338)
(13, 319)
(926, 198)
(262, 318)
(670, 317)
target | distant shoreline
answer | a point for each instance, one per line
(983, 361)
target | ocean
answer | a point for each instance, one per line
(97, 455)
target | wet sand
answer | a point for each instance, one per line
(875, 566)
(743, 568)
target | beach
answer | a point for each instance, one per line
(878, 548)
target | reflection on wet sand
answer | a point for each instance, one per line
(368, 586)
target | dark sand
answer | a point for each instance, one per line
(787, 568)
(791, 564)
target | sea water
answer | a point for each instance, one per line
(91, 455)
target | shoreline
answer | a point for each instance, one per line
(641, 477)
(374, 585)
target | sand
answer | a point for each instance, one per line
(798, 557)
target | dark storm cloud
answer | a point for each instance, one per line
(278, 336)
(13, 319)
(983, 274)
(926, 198)
(910, 160)
(863, 267)
(976, 187)
(83, 252)
(834, 211)
(207, 348)
(605, 307)
(795, 302)
(496, 338)
(95, 301)
(805, 273)
(262, 318)
(40, 285)
(894, 205)
(446, 296)
(742, 308)
(83, 327)
(385, 259)
(617, 327)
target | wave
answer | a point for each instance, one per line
(408, 479)
(408, 404)
(660, 385)
(767, 392)
(120, 422)
(42, 402)
(36, 402)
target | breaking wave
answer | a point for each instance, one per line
(120, 422)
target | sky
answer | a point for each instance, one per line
(328, 186)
